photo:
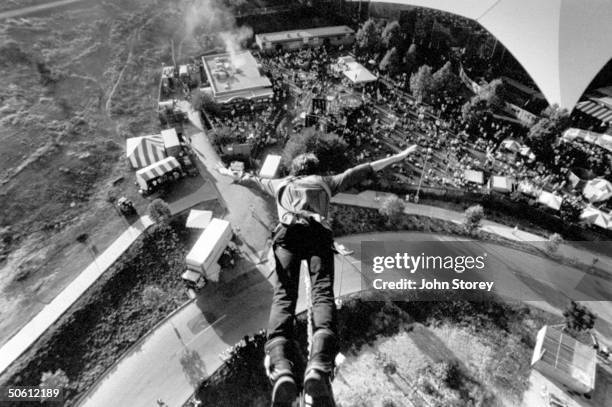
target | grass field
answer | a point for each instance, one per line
(78, 81)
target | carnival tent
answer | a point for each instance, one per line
(155, 170)
(145, 150)
(551, 200)
(597, 190)
(562, 44)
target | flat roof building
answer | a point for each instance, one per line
(295, 39)
(235, 78)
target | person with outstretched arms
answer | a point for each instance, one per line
(304, 233)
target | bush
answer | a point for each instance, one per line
(473, 217)
(553, 243)
(392, 207)
(153, 296)
(578, 318)
(159, 211)
(57, 379)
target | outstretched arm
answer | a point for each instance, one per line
(385, 162)
(352, 176)
(251, 181)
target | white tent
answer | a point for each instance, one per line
(198, 219)
(501, 183)
(551, 200)
(562, 44)
(359, 76)
(511, 145)
(590, 214)
(477, 177)
(597, 190)
(144, 151)
(603, 220)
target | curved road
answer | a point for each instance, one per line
(177, 356)
(35, 9)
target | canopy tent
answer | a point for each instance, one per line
(511, 145)
(551, 200)
(596, 110)
(198, 219)
(145, 150)
(589, 214)
(360, 75)
(501, 183)
(155, 170)
(602, 140)
(477, 177)
(603, 220)
(597, 190)
(562, 44)
(594, 216)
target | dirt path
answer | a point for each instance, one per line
(34, 9)
(133, 38)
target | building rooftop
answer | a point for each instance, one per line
(306, 33)
(230, 73)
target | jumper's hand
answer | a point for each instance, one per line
(224, 171)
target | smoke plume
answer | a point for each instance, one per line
(212, 17)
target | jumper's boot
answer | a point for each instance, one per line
(279, 369)
(319, 371)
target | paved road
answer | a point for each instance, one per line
(35, 9)
(171, 362)
(30, 332)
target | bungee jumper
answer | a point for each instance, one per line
(304, 233)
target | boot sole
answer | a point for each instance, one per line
(284, 391)
(316, 387)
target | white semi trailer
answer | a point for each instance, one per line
(203, 259)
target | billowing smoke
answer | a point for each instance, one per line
(210, 16)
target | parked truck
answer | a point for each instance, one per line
(203, 259)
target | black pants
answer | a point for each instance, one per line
(292, 244)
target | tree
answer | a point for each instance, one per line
(56, 380)
(410, 59)
(391, 36)
(368, 37)
(159, 211)
(421, 83)
(493, 93)
(392, 207)
(473, 217)
(329, 148)
(544, 133)
(578, 318)
(553, 243)
(153, 296)
(407, 22)
(390, 61)
(445, 81)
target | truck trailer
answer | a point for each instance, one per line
(203, 259)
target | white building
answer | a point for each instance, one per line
(310, 37)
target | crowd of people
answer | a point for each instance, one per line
(388, 118)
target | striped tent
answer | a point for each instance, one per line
(596, 110)
(145, 150)
(155, 170)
